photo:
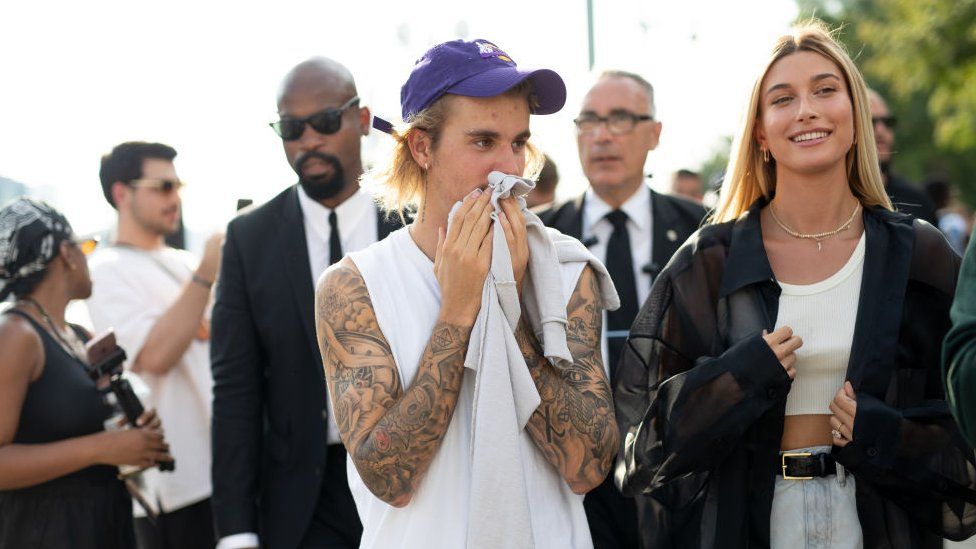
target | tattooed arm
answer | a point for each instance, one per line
(391, 434)
(574, 426)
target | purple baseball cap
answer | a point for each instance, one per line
(477, 68)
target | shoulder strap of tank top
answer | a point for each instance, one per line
(37, 326)
(46, 337)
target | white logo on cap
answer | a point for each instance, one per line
(487, 49)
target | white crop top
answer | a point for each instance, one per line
(823, 315)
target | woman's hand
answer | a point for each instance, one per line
(784, 344)
(463, 258)
(513, 223)
(143, 446)
(844, 408)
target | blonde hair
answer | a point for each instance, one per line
(748, 177)
(399, 181)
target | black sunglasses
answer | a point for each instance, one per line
(326, 122)
(889, 121)
(164, 186)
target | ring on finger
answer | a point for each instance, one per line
(835, 433)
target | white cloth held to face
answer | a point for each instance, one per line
(499, 513)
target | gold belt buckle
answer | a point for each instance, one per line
(782, 460)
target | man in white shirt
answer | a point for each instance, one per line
(279, 467)
(633, 228)
(155, 298)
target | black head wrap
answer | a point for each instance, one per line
(31, 233)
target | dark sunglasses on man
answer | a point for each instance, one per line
(326, 122)
(889, 121)
(164, 186)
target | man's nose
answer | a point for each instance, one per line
(508, 162)
(310, 139)
(601, 133)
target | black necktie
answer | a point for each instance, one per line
(335, 247)
(620, 265)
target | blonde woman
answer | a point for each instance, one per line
(781, 385)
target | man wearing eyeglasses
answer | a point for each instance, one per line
(155, 298)
(904, 197)
(279, 468)
(634, 228)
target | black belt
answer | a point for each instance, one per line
(806, 466)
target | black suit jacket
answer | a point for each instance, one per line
(671, 217)
(269, 407)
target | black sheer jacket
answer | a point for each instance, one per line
(700, 396)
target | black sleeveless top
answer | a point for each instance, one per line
(63, 402)
(87, 509)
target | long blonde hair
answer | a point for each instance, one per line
(748, 177)
(399, 181)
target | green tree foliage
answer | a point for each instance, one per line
(714, 167)
(920, 55)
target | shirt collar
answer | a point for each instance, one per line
(747, 261)
(637, 208)
(348, 214)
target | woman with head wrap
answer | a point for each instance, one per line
(59, 484)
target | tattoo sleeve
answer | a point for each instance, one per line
(391, 434)
(574, 425)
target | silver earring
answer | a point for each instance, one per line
(765, 155)
(423, 210)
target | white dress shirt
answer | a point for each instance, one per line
(640, 229)
(358, 228)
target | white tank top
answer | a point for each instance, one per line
(823, 315)
(406, 299)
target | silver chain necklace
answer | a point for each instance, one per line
(53, 328)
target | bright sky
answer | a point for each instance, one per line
(80, 77)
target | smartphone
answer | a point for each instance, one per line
(101, 347)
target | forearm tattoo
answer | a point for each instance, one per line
(574, 425)
(391, 434)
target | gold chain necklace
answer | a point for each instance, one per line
(819, 237)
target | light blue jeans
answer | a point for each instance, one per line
(816, 513)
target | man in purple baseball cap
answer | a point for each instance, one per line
(395, 321)
(475, 69)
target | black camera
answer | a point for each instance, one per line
(105, 362)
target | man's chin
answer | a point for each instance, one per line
(606, 180)
(167, 229)
(322, 190)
